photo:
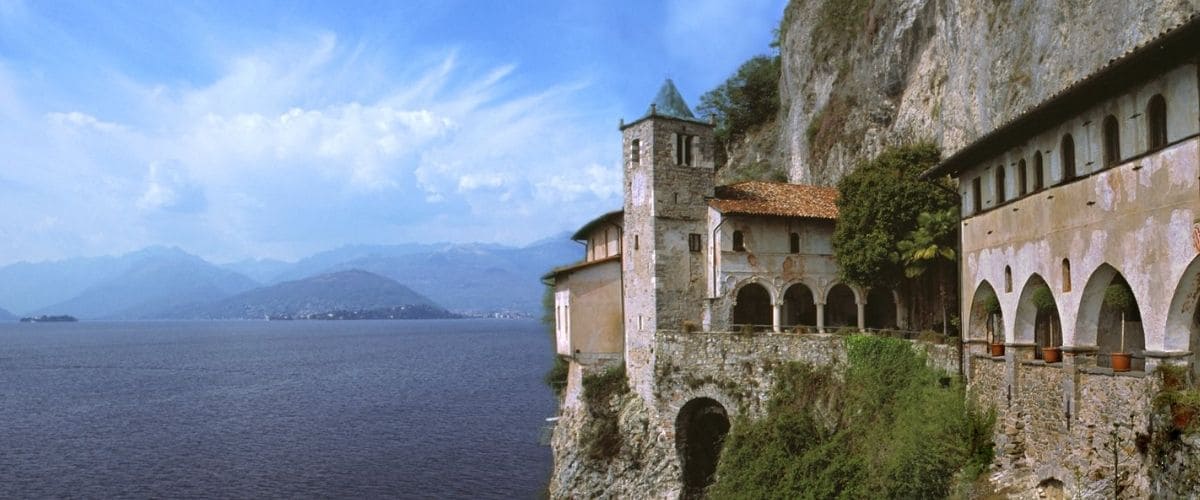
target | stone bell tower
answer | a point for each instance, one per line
(668, 163)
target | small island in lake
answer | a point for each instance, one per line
(49, 319)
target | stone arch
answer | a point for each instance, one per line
(1031, 325)
(700, 429)
(841, 306)
(799, 305)
(1183, 318)
(1098, 324)
(753, 304)
(880, 309)
(979, 325)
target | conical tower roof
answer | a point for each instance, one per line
(668, 102)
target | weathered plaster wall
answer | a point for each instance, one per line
(594, 307)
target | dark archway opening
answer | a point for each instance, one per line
(987, 321)
(799, 308)
(881, 309)
(700, 431)
(1115, 317)
(840, 307)
(753, 306)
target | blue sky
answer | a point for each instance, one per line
(261, 129)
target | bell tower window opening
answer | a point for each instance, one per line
(739, 242)
(687, 149)
(1112, 141)
(635, 151)
(1068, 157)
(1156, 122)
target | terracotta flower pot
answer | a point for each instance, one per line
(1120, 361)
(997, 350)
(1051, 354)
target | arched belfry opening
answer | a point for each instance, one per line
(799, 306)
(753, 306)
(841, 308)
(881, 309)
(700, 430)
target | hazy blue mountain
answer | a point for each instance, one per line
(352, 290)
(333, 259)
(473, 277)
(6, 316)
(153, 283)
(260, 270)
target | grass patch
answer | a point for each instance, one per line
(886, 428)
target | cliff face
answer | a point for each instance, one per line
(861, 74)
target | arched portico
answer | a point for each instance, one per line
(982, 323)
(1100, 322)
(882, 308)
(1037, 319)
(753, 305)
(799, 306)
(842, 306)
(1182, 331)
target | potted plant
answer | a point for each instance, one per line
(1119, 295)
(991, 306)
(1043, 303)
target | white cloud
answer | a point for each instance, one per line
(170, 188)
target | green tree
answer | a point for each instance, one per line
(746, 100)
(879, 205)
(932, 246)
(1118, 296)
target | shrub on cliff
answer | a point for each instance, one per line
(600, 437)
(891, 427)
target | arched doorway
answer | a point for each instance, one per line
(799, 308)
(881, 309)
(753, 306)
(1037, 318)
(841, 309)
(1106, 308)
(700, 430)
(987, 320)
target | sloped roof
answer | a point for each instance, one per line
(777, 198)
(668, 102)
(614, 217)
(1146, 61)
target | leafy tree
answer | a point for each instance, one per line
(1043, 302)
(880, 204)
(1120, 297)
(931, 246)
(747, 99)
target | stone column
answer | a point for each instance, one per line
(776, 316)
(862, 316)
(820, 317)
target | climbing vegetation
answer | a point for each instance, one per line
(600, 438)
(888, 427)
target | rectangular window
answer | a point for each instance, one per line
(694, 242)
(635, 151)
(739, 242)
(635, 242)
(678, 149)
(687, 149)
(977, 194)
(794, 242)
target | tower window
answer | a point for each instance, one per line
(1022, 178)
(977, 194)
(687, 149)
(1156, 118)
(694, 242)
(1039, 172)
(635, 151)
(1000, 184)
(739, 242)
(794, 242)
(1112, 141)
(1068, 157)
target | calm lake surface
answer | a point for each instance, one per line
(424, 409)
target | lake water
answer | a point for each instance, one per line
(424, 409)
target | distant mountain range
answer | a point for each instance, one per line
(6, 316)
(345, 291)
(160, 282)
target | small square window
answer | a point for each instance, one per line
(694, 242)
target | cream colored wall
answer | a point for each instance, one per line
(596, 309)
(604, 242)
(1136, 217)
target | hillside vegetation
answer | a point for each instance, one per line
(886, 426)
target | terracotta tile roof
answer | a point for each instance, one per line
(777, 198)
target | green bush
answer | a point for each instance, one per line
(745, 100)
(887, 428)
(600, 437)
(556, 378)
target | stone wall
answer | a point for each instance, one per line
(735, 370)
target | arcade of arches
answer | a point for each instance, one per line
(801, 307)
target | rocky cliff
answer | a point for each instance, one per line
(861, 74)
